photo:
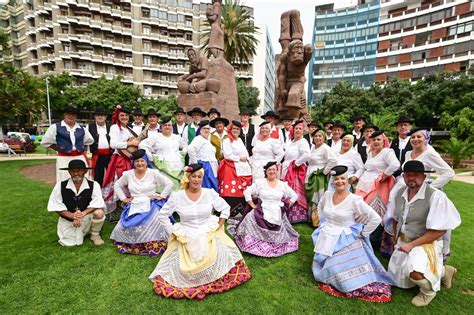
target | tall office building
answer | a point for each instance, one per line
(264, 71)
(345, 42)
(418, 38)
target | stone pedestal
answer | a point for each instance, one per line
(226, 100)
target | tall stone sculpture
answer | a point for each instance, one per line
(291, 65)
(210, 83)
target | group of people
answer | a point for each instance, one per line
(360, 190)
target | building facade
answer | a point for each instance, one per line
(264, 71)
(418, 38)
(143, 41)
(367, 42)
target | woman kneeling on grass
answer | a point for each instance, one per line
(344, 262)
(139, 230)
(200, 259)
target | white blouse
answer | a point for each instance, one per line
(264, 152)
(353, 161)
(271, 198)
(297, 151)
(385, 162)
(433, 161)
(164, 148)
(144, 187)
(119, 137)
(338, 219)
(234, 150)
(322, 158)
(336, 146)
(201, 149)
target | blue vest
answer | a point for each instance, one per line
(63, 140)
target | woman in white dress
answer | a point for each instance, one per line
(265, 230)
(322, 160)
(234, 174)
(294, 172)
(200, 259)
(376, 182)
(350, 158)
(139, 230)
(266, 149)
(167, 151)
(344, 263)
(202, 151)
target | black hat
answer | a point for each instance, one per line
(179, 110)
(196, 110)
(76, 164)
(152, 111)
(215, 111)
(136, 111)
(415, 166)
(338, 170)
(247, 111)
(314, 123)
(138, 154)
(203, 123)
(357, 117)
(270, 113)
(269, 164)
(298, 122)
(329, 122)
(339, 124)
(100, 111)
(264, 123)
(191, 168)
(415, 130)
(286, 117)
(372, 126)
(404, 119)
(125, 110)
(71, 109)
(219, 119)
(237, 123)
(165, 119)
(376, 134)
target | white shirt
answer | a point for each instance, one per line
(102, 132)
(119, 137)
(234, 150)
(180, 129)
(353, 161)
(164, 148)
(280, 135)
(385, 162)
(203, 150)
(137, 128)
(144, 187)
(356, 135)
(271, 198)
(434, 162)
(322, 158)
(49, 138)
(402, 143)
(56, 203)
(297, 151)
(264, 152)
(338, 219)
(336, 146)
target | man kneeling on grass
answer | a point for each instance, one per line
(80, 206)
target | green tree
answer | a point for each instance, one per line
(457, 149)
(58, 86)
(4, 44)
(240, 43)
(163, 105)
(248, 96)
(460, 124)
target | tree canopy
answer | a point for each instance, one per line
(248, 96)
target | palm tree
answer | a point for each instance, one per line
(457, 149)
(239, 33)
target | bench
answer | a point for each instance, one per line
(18, 149)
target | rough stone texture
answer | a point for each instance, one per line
(226, 100)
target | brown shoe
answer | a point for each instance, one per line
(97, 240)
(449, 274)
(422, 299)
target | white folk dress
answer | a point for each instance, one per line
(264, 152)
(297, 151)
(385, 162)
(353, 161)
(201, 149)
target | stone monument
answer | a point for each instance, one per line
(290, 98)
(210, 83)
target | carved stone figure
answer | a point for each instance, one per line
(197, 80)
(216, 39)
(291, 65)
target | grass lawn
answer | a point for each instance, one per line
(37, 275)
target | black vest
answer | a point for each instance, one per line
(95, 135)
(362, 149)
(175, 130)
(247, 139)
(394, 147)
(80, 201)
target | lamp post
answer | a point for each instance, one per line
(47, 98)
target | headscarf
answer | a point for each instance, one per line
(229, 131)
(296, 124)
(321, 132)
(425, 134)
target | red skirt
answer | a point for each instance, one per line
(231, 185)
(118, 165)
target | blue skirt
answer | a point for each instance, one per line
(352, 265)
(142, 217)
(209, 180)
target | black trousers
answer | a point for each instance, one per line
(100, 167)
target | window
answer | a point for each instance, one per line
(145, 12)
(147, 90)
(146, 30)
(146, 45)
(172, 17)
(147, 60)
(189, 21)
(67, 64)
(189, 36)
(128, 57)
(110, 53)
(66, 47)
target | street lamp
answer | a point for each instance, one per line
(47, 97)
